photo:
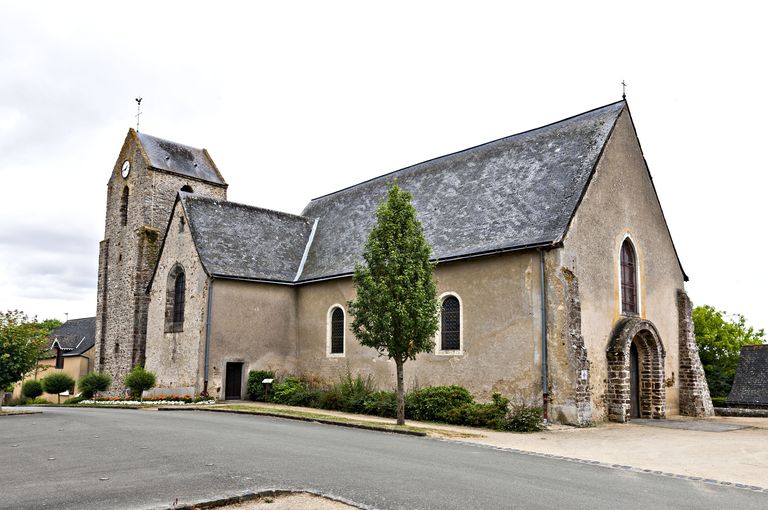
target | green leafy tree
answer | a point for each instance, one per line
(32, 388)
(139, 381)
(93, 382)
(22, 343)
(395, 311)
(56, 383)
(720, 338)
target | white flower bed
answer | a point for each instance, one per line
(146, 402)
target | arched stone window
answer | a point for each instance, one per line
(450, 324)
(124, 207)
(174, 300)
(336, 329)
(628, 278)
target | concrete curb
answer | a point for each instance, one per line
(243, 497)
(302, 418)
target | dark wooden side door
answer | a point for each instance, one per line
(233, 386)
(634, 382)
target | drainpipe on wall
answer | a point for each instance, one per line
(544, 367)
(207, 336)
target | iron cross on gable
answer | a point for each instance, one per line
(623, 90)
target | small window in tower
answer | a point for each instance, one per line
(187, 188)
(124, 207)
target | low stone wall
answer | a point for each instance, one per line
(741, 412)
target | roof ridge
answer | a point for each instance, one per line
(467, 149)
(140, 134)
(193, 196)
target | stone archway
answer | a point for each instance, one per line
(650, 354)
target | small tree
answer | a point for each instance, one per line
(22, 343)
(32, 388)
(139, 381)
(56, 383)
(395, 311)
(93, 382)
(720, 341)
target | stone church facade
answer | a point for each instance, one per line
(557, 275)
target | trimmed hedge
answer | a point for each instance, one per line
(433, 403)
(93, 382)
(32, 388)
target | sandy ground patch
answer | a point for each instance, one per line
(300, 501)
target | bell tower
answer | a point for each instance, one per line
(147, 175)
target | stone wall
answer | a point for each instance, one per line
(694, 392)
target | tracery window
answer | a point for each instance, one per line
(628, 278)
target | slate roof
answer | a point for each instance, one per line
(180, 159)
(241, 241)
(750, 386)
(75, 336)
(516, 192)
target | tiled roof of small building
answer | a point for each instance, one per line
(750, 386)
(516, 192)
(75, 336)
(241, 241)
(180, 159)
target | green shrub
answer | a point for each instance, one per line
(74, 400)
(381, 403)
(525, 418)
(492, 415)
(434, 402)
(32, 388)
(331, 399)
(295, 392)
(255, 387)
(354, 391)
(90, 383)
(719, 401)
(139, 380)
(58, 382)
(38, 401)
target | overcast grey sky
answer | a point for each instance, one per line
(298, 99)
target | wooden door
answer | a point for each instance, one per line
(234, 382)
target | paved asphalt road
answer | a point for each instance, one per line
(151, 458)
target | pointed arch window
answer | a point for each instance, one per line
(124, 207)
(450, 324)
(336, 331)
(175, 297)
(628, 278)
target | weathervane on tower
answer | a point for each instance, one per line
(623, 90)
(138, 111)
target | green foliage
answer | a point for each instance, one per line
(92, 382)
(434, 402)
(32, 388)
(75, 400)
(525, 418)
(295, 392)
(254, 386)
(720, 339)
(354, 391)
(139, 380)
(381, 403)
(58, 382)
(38, 401)
(395, 311)
(22, 343)
(719, 401)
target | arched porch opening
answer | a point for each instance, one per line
(642, 337)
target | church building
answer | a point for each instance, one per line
(557, 276)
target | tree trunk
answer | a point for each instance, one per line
(400, 397)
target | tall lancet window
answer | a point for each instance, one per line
(174, 300)
(628, 278)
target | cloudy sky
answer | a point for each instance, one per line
(298, 99)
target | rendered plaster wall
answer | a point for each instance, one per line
(127, 256)
(174, 356)
(74, 366)
(501, 352)
(253, 323)
(620, 201)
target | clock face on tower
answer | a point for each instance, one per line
(126, 168)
